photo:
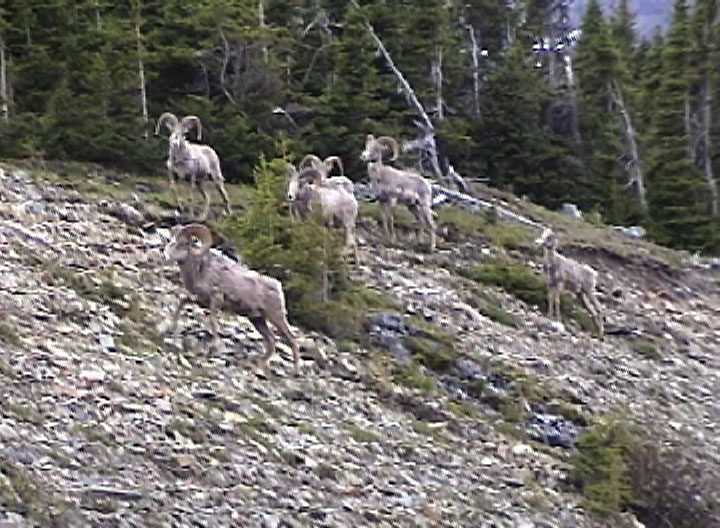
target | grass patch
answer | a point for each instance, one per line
(186, 428)
(487, 226)
(411, 376)
(516, 279)
(326, 471)
(20, 494)
(21, 412)
(8, 334)
(646, 349)
(359, 434)
(488, 305)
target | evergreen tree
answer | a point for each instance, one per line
(676, 189)
(599, 72)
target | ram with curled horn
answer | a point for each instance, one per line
(339, 208)
(395, 186)
(218, 283)
(325, 167)
(191, 162)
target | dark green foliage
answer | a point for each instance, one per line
(516, 279)
(305, 256)
(616, 468)
(600, 469)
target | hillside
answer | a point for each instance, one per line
(460, 408)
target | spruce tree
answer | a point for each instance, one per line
(676, 190)
(599, 73)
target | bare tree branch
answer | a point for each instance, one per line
(634, 166)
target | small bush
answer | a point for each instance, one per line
(600, 469)
(617, 469)
(516, 279)
(646, 348)
(305, 256)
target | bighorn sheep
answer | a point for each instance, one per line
(324, 167)
(218, 283)
(339, 207)
(191, 162)
(564, 273)
(395, 186)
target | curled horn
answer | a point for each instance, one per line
(334, 160)
(188, 122)
(312, 158)
(169, 119)
(390, 144)
(311, 174)
(199, 231)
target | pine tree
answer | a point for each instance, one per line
(676, 190)
(599, 73)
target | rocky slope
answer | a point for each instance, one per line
(103, 422)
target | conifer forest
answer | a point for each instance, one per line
(509, 91)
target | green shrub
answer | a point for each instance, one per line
(305, 256)
(600, 467)
(617, 468)
(516, 279)
(646, 348)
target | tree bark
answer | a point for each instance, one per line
(4, 106)
(635, 164)
(141, 67)
(437, 75)
(476, 70)
(261, 23)
(707, 145)
(425, 124)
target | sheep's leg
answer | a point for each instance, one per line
(191, 200)
(430, 224)
(206, 198)
(590, 303)
(215, 303)
(280, 322)
(173, 189)
(557, 304)
(384, 215)
(221, 189)
(176, 315)
(261, 326)
(550, 300)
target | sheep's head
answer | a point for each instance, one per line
(296, 181)
(189, 240)
(374, 148)
(293, 187)
(178, 129)
(547, 239)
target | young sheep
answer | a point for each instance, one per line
(564, 273)
(339, 208)
(324, 167)
(218, 283)
(398, 186)
(191, 162)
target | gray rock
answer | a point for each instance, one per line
(571, 210)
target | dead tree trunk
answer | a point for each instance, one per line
(141, 67)
(425, 124)
(4, 98)
(476, 70)
(707, 145)
(437, 76)
(261, 23)
(634, 166)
